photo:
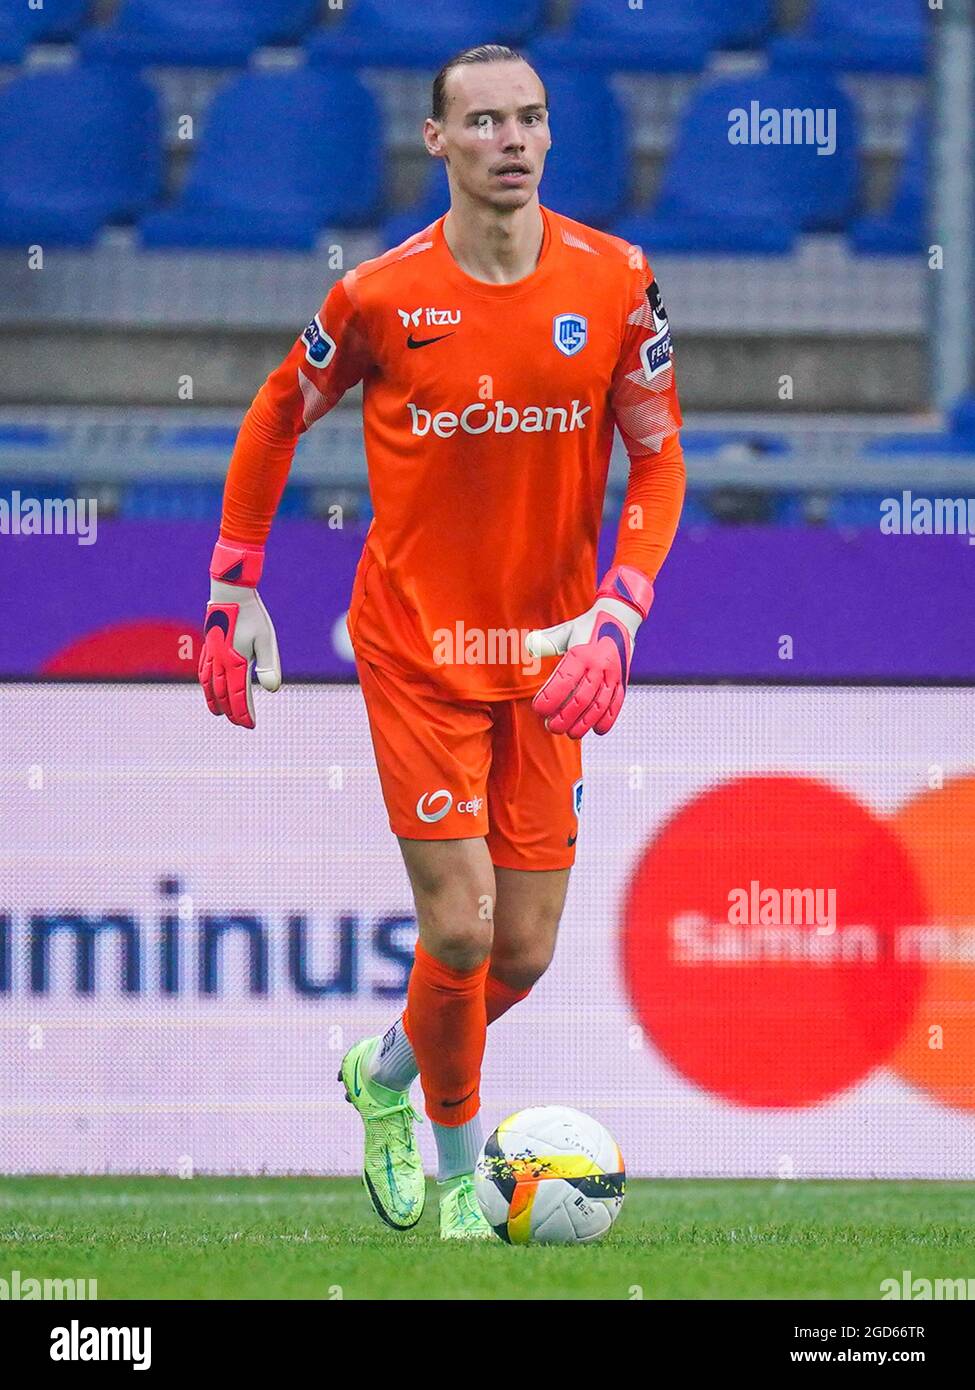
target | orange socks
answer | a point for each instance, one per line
(446, 1022)
(394, 1064)
(499, 997)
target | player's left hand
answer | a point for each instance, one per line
(586, 689)
(238, 635)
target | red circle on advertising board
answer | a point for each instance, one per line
(769, 1014)
(149, 647)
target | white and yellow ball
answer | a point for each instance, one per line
(550, 1176)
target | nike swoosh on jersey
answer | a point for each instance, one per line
(412, 342)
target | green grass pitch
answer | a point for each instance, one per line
(258, 1238)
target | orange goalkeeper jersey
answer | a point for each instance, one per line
(488, 418)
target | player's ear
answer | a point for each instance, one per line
(432, 137)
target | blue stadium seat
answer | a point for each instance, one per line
(923, 443)
(56, 21)
(195, 438)
(284, 154)
(389, 33)
(900, 231)
(43, 489)
(170, 499)
(963, 417)
(959, 438)
(432, 203)
(78, 147)
(854, 510)
(718, 197)
(886, 36)
(695, 511)
(663, 36)
(587, 168)
(788, 508)
(746, 24)
(17, 437)
(715, 441)
(188, 32)
(860, 510)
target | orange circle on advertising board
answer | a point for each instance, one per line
(938, 1049)
(759, 941)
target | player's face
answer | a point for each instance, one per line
(496, 133)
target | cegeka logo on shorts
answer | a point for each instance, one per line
(433, 806)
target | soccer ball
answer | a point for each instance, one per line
(550, 1176)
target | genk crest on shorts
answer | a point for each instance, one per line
(570, 333)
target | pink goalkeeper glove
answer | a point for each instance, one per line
(586, 689)
(237, 632)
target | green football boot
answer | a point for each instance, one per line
(460, 1216)
(392, 1172)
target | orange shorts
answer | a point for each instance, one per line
(456, 769)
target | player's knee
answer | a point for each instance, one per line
(522, 968)
(461, 946)
(456, 921)
(454, 894)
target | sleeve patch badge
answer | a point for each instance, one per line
(656, 352)
(319, 347)
(656, 306)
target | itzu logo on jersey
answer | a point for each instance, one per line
(436, 318)
(319, 347)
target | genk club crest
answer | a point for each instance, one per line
(570, 333)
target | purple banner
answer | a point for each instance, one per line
(732, 601)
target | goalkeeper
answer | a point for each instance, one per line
(498, 348)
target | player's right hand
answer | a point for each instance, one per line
(586, 689)
(237, 632)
